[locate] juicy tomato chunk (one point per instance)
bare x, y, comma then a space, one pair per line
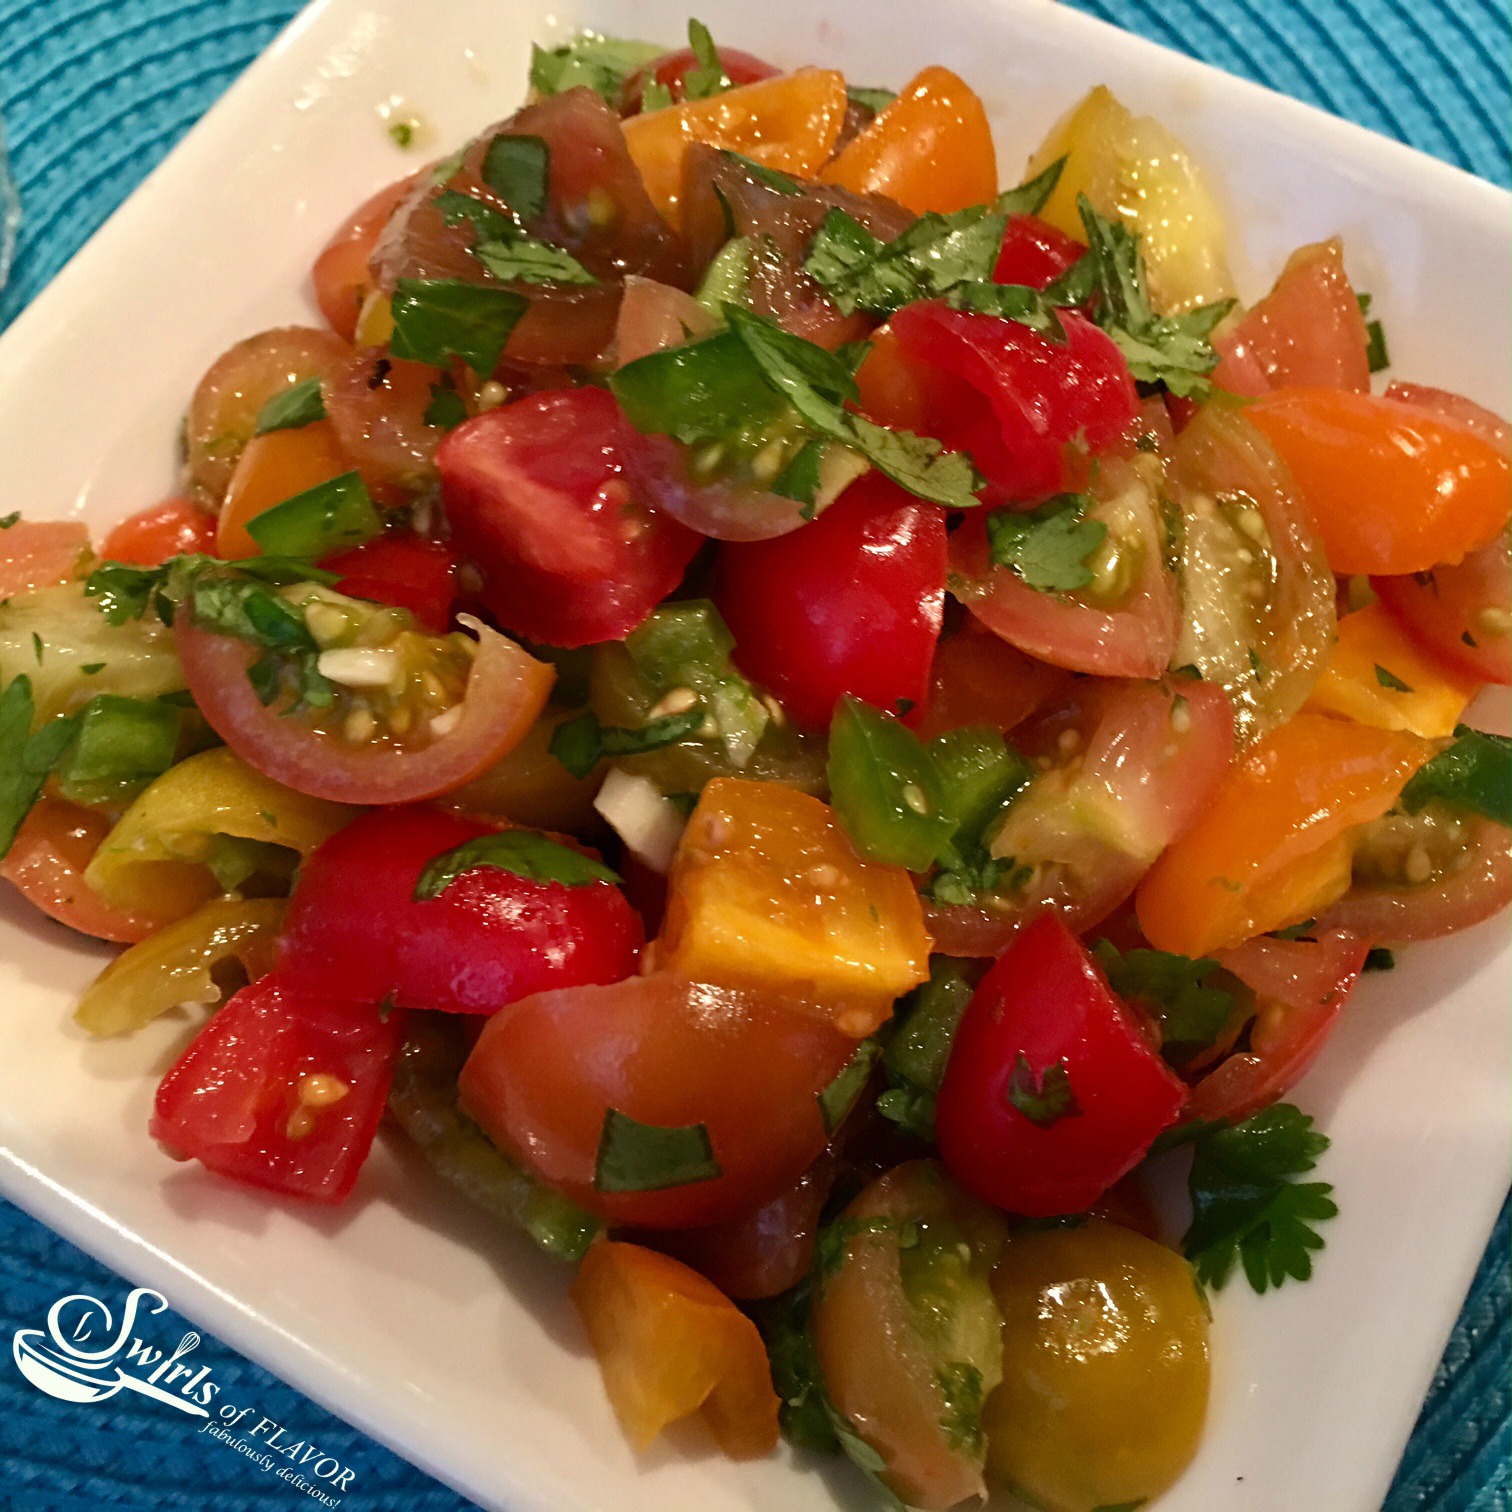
1437, 490
41, 554
282, 1089
1053, 1090
849, 604
670, 1344
377, 405
1035, 253
1105, 1368
671, 71
767, 892
272, 468
1012, 398
489, 938
978, 678
341, 276
929, 149
403, 569
536, 495
152, 535
907, 1334
1273, 845
560, 1081
1308, 332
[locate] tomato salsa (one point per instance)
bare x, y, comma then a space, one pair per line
794, 717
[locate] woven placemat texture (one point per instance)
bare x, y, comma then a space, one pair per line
93, 93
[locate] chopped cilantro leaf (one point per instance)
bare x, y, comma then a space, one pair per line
517, 169
581, 743
1389, 679
707, 77
436, 319
638, 1157
1049, 547
602, 63
1177, 991
522, 852
521, 259
1044, 1098
292, 408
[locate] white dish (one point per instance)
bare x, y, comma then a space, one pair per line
403, 1311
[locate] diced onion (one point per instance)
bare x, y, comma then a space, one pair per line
649, 824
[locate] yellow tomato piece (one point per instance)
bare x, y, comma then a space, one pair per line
176, 965
1377, 675
154, 862
272, 468
1131, 167
767, 892
930, 149
789, 123
669, 1344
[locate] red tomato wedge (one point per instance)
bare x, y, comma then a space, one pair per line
536, 495
282, 1090
506, 691
491, 937
342, 280
1035, 253
1053, 1090
849, 604
673, 1054
40, 554
403, 569
152, 535
46, 863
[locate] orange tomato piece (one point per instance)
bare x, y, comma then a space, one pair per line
789, 123
670, 1344
1273, 847
271, 469
41, 554
894, 390
152, 535
767, 892
930, 149
1393, 488
1376, 674
340, 274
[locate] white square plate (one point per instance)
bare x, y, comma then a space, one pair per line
403, 1311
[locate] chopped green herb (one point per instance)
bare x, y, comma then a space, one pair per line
436, 319
6, 521
1178, 992
1248, 1208
1390, 680
655, 96
961, 1385
26, 758
1378, 958
1376, 355
90, 668
1474, 773
490, 224
874, 100
638, 1157
840, 1096
37, 647
517, 169
773, 178
1299, 931
447, 409
1257, 667
523, 260
975, 875
707, 77
1051, 547
332, 516
602, 63
292, 408
920, 1047
581, 743
402, 132
521, 852
1044, 1098
1010, 302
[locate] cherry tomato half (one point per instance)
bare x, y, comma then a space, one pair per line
342, 280
402, 569
152, 535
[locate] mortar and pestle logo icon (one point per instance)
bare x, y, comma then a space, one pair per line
55, 1363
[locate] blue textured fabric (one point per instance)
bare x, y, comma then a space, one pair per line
93, 93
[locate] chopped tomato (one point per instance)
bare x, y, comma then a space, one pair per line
56, 842
767, 892
930, 148
1307, 332
670, 1345
1486, 424
789, 123
1273, 846
377, 405
671, 71
282, 1089
565, 1081
1376, 674
1053, 1090
491, 937
272, 468
1436, 490
152, 535
342, 280
41, 554
506, 690
849, 604
536, 495
403, 569
1035, 253
1315, 968
1011, 397
978, 678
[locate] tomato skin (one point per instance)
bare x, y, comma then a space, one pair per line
152, 535
849, 604
490, 938
1045, 1000
663, 1051
233, 1099
536, 495
403, 569
41, 554
46, 863
1014, 399
506, 691
1438, 490
340, 274
978, 678
671, 71
1034, 253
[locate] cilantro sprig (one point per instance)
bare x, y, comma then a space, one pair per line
1051, 548
602, 63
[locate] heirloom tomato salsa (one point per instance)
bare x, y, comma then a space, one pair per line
791, 715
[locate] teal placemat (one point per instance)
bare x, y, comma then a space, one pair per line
93, 93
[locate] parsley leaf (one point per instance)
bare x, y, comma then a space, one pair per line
26, 758
292, 408
1044, 1098
1049, 547
581, 743
602, 63
707, 77
436, 319
1247, 1207
522, 852
1177, 991
522, 259
1474, 773
1389, 679
638, 1157
517, 169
